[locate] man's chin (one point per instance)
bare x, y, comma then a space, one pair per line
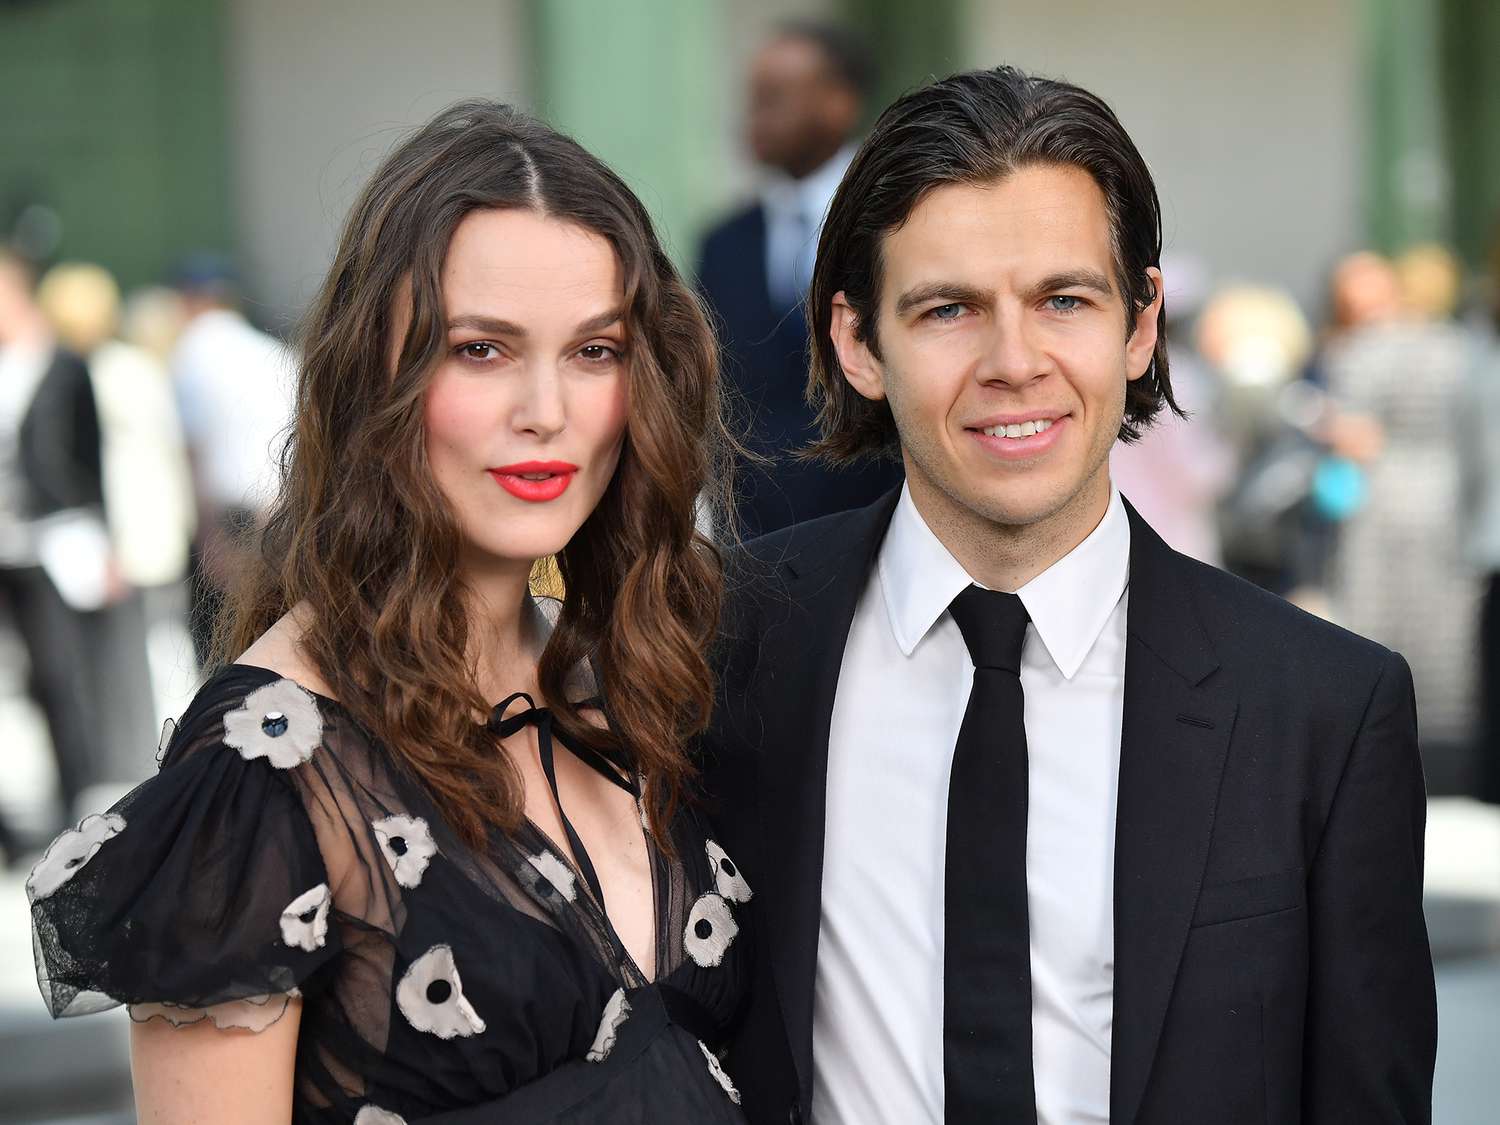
1013, 505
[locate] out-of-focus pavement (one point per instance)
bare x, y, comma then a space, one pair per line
77, 1071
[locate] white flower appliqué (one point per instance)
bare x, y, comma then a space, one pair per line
431, 997
254, 1013
374, 1115
554, 873
716, 1068
710, 930
67, 854
406, 842
727, 877
616, 1012
279, 722
304, 922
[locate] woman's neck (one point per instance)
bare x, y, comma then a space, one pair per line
504, 641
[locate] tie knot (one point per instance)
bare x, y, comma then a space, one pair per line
993, 625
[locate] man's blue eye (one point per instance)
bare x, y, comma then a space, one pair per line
1064, 303
947, 312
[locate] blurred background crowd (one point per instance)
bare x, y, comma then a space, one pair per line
172, 174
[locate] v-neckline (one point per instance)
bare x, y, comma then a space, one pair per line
545, 841
617, 944
505, 723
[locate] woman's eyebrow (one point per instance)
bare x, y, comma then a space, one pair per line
480, 323
603, 320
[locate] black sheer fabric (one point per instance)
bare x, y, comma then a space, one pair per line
279, 852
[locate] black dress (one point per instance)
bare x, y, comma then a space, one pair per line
279, 853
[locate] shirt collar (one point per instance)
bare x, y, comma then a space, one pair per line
1070, 602
811, 195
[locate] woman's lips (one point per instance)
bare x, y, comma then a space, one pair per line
535, 481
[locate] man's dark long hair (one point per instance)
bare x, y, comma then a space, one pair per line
973, 128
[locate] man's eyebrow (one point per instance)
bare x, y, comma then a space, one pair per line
949, 292
1072, 279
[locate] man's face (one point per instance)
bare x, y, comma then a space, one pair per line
1004, 352
798, 114
15, 299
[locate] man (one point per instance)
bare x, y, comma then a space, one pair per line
234, 386
1045, 821
807, 90
55, 559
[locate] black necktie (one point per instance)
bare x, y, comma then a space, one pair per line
986, 956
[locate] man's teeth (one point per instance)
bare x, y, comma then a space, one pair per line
1020, 429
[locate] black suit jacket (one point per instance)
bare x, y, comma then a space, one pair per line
59, 454
1271, 958
764, 350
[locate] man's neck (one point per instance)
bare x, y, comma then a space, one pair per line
813, 165
1003, 556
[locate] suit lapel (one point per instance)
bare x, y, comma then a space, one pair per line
802, 654
1175, 732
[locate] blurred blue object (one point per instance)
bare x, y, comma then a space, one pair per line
1339, 488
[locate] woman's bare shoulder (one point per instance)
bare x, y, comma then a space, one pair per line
280, 650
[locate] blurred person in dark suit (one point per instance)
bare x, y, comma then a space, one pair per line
54, 551
808, 87
148, 505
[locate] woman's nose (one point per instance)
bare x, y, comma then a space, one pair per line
541, 411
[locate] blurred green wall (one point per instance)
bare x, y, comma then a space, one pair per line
914, 42
115, 118
1470, 53
1433, 96
638, 84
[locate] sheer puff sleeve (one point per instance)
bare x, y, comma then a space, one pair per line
202, 894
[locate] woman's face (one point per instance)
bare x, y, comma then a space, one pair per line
525, 415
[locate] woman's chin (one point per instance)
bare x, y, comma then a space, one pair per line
512, 556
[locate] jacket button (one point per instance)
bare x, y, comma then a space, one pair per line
794, 1115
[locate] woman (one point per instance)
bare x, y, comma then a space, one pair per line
356, 891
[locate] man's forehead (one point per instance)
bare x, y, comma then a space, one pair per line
790, 55
1043, 218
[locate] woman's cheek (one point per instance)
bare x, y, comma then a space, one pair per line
612, 412
455, 416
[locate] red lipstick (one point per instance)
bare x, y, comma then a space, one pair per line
535, 481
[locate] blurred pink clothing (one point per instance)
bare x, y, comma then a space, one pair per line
1178, 470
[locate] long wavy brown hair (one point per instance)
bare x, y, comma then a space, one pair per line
362, 536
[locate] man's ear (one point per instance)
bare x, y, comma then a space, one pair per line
861, 368
1142, 343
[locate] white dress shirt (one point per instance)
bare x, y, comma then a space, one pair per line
795, 210
235, 389
903, 687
